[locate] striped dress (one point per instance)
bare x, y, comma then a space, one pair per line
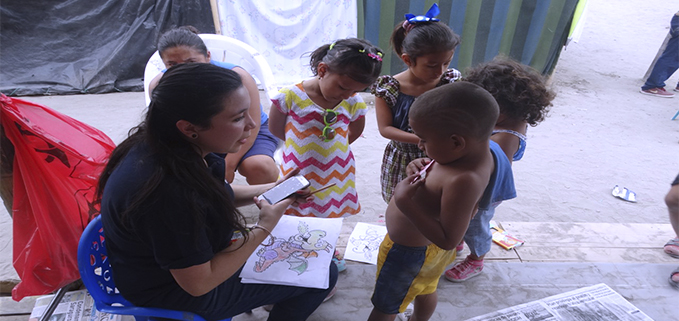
322, 163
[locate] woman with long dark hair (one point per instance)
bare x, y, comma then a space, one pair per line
175, 237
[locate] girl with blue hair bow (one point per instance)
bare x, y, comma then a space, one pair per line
426, 46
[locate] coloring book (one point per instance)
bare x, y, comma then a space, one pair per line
364, 242
297, 253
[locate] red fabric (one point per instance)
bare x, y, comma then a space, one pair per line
57, 163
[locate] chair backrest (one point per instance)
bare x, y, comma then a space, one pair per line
224, 49
95, 271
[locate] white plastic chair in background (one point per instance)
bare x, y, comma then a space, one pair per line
224, 49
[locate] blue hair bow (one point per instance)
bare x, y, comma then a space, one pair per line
429, 16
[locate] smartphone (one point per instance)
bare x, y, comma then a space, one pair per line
284, 189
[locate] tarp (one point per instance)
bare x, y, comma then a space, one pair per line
286, 32
530, 31
84, 46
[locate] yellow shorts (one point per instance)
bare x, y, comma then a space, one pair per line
405, 272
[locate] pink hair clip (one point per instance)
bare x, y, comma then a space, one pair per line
377, 56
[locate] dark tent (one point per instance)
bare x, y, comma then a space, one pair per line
80, 46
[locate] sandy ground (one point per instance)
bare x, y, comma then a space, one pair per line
601, 131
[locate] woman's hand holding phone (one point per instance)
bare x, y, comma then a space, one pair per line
270, 214
302, 195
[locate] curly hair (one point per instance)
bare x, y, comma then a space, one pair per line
520, 91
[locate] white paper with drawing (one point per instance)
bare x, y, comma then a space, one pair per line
298, 253
364, 242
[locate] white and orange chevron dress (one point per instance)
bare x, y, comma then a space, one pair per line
320, 162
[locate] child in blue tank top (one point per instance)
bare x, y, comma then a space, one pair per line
524, 99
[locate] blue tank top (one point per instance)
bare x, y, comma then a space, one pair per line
501, 184
522, 142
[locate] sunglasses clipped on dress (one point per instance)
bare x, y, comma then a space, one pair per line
329, 118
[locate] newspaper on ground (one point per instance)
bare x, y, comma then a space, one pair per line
74, 306
597, 302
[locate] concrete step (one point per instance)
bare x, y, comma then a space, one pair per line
571, 242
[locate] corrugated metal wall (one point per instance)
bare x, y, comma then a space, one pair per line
530, 31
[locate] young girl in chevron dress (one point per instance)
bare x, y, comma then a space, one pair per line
319, 117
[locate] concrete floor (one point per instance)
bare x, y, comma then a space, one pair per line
601, 132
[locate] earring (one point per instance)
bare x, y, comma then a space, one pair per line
194, 136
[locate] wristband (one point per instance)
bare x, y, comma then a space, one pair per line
262, 227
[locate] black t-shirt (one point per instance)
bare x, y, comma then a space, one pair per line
163, 238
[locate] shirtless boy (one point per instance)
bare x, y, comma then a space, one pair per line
429, 213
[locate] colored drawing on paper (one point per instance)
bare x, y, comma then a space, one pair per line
298, 253
296, 250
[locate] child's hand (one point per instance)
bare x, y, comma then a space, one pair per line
404, 191
302, 196
407, 187
416, 165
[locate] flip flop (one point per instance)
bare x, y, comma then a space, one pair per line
672, 282
624, 194
672, 248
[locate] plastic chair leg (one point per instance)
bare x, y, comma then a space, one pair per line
676, 115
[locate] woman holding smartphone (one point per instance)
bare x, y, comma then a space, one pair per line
175, 237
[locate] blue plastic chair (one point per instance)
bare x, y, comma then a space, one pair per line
95, 271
